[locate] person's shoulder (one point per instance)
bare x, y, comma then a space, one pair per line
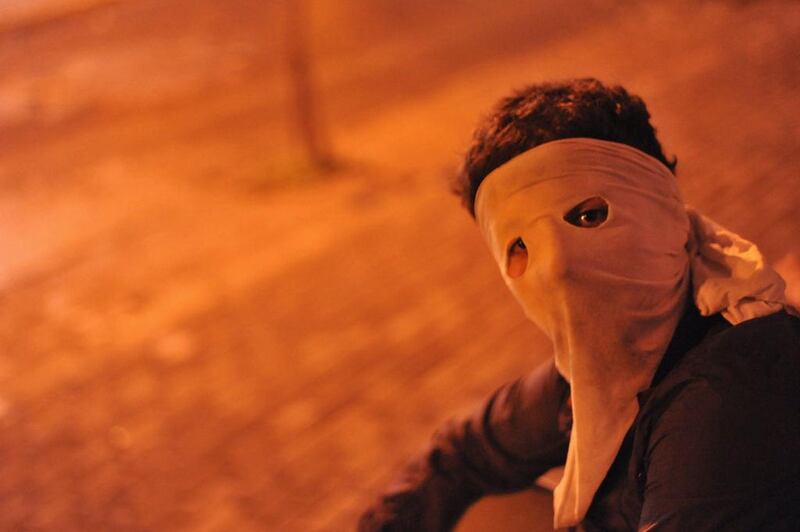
721, 428
757, 353
733, 401
775, 333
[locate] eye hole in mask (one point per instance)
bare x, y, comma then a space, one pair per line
588, 213
517, 258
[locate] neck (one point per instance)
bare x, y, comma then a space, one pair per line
691, 329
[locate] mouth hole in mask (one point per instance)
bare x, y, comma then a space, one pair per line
517, 258
589, 213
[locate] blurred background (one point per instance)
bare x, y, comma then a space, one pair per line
236, 292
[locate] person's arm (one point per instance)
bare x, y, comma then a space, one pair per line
517, 435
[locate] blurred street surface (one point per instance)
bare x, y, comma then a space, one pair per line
202, 333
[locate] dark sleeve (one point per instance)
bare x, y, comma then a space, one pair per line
516, 436
725, 455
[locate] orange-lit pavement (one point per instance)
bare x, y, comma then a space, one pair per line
198, 333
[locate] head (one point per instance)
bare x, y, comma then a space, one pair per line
552, 111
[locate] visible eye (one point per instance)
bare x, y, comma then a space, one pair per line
517, 258
589, 213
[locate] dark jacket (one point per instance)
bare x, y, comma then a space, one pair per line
716, 444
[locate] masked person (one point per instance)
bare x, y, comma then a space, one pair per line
673, 397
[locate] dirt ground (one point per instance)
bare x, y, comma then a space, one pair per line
202, 333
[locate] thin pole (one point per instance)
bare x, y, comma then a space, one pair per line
309, 123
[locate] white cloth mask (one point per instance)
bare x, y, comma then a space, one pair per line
610, 297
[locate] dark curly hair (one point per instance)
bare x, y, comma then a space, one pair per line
551, 111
